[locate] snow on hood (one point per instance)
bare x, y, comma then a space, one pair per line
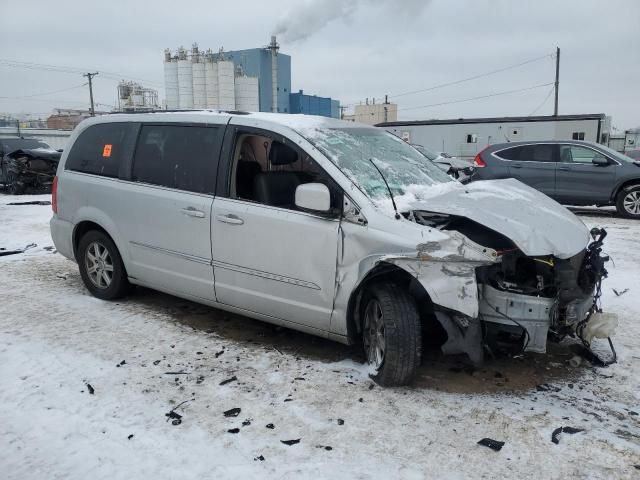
537, 224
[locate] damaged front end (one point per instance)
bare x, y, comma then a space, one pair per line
509, 302
30, 169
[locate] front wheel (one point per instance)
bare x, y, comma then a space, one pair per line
391, 334
101, 266
13, 184
628, 202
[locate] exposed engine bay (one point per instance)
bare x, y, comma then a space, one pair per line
524, 300
29, 170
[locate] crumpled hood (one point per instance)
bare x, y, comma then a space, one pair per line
537, 224
43, 153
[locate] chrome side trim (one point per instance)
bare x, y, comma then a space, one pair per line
267, 275
186, 256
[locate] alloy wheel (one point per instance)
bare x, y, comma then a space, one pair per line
99, 265
373, 334
631, 202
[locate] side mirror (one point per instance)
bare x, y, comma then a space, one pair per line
314, 197
600, 160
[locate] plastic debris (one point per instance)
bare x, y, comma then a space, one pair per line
492, 444
270, 426
555, 436
229, 380
233, 412
290, 442
91, 389
233, 430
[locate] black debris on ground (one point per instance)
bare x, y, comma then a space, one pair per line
299, 378
326, 447
4, 252
492, 444
130, 437
545, 387
91, 389
233, 430
260, 457
156, 362
614, 290
50, 248
371, 386
123, 362
361, 399
176, 418
340, 421
34, 202
555, 436
637, 467
233, 412
229, 380
631, 412
288, 399
270, 426
219, 353
290, 442
199, 353
200, 379
247, 422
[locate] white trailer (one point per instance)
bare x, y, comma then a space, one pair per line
465, 137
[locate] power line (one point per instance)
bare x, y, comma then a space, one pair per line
468, 79
544, 101
46, 93
506, 92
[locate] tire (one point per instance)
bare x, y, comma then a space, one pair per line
105, 277
13, 187
390, 320
628, 202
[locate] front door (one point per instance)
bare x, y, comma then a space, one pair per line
579, 180
268, 256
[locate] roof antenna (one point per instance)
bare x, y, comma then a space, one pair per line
398, 216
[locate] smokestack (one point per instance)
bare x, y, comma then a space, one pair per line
274, 47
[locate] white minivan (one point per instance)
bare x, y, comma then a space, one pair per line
329, 227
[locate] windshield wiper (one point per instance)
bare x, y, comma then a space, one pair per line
398, 216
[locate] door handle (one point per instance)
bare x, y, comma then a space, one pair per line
231, 219
516, 165
192, 212
566, 169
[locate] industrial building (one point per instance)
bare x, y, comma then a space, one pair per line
314, 105
256, 79
133, 97
374, 113
465, 137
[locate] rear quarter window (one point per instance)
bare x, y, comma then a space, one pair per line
101, 149
510, 153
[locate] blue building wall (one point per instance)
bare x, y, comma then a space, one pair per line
256, 62
314, 105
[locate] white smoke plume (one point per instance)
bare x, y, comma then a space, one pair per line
310, 16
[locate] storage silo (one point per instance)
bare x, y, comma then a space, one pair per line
197, 70
226, 85
211, 80
171, 80
247, 98
185, 80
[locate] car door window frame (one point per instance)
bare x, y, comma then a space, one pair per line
586, 147
227, 160
554, 153
213, 183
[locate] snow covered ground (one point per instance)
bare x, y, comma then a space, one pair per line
150, 353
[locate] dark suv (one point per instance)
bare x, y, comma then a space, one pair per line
571, 172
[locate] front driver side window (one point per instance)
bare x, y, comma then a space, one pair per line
268, 171
576, 154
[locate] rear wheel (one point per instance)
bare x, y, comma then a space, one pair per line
101, 266
628, 202
391, 334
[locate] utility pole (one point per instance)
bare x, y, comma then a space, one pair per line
386, 109
342, 109
555, 108
90, 77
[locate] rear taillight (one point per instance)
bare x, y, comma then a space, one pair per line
54, 195
478, 162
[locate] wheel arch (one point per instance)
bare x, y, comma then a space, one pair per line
384, 271
624, 184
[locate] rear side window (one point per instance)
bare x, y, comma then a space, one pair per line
181, 157
510, 153
101, 149
528, 153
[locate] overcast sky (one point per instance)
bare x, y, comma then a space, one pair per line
348, 50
